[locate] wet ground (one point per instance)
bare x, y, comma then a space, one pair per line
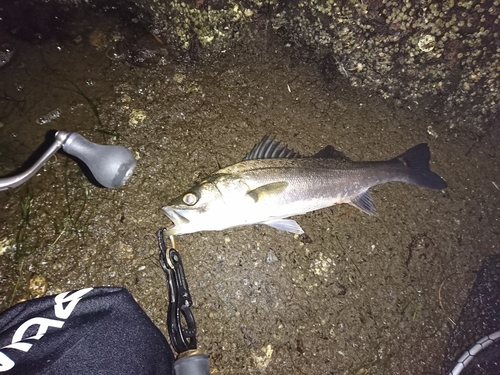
363, 295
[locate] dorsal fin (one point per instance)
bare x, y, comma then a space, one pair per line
268, 148
329, 152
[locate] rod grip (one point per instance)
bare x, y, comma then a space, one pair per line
193, 364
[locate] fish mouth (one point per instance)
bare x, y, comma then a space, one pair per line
176, 218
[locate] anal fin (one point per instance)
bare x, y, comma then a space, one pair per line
364, 203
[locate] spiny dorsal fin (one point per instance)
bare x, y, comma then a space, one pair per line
329, 152
268, 148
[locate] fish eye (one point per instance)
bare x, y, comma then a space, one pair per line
190, 199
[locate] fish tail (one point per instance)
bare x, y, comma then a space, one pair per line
415, 161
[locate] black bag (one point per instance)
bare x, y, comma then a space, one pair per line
88, 331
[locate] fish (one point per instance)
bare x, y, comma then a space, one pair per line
273, 183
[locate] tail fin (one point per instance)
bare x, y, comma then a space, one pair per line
416, 161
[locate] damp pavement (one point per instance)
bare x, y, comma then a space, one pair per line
357, 295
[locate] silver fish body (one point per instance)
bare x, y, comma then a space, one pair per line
274, 183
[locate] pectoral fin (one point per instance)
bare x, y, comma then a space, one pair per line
364, 203
270, 190
287, 225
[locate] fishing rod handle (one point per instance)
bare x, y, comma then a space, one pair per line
110, 165
194, 363
21, 178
